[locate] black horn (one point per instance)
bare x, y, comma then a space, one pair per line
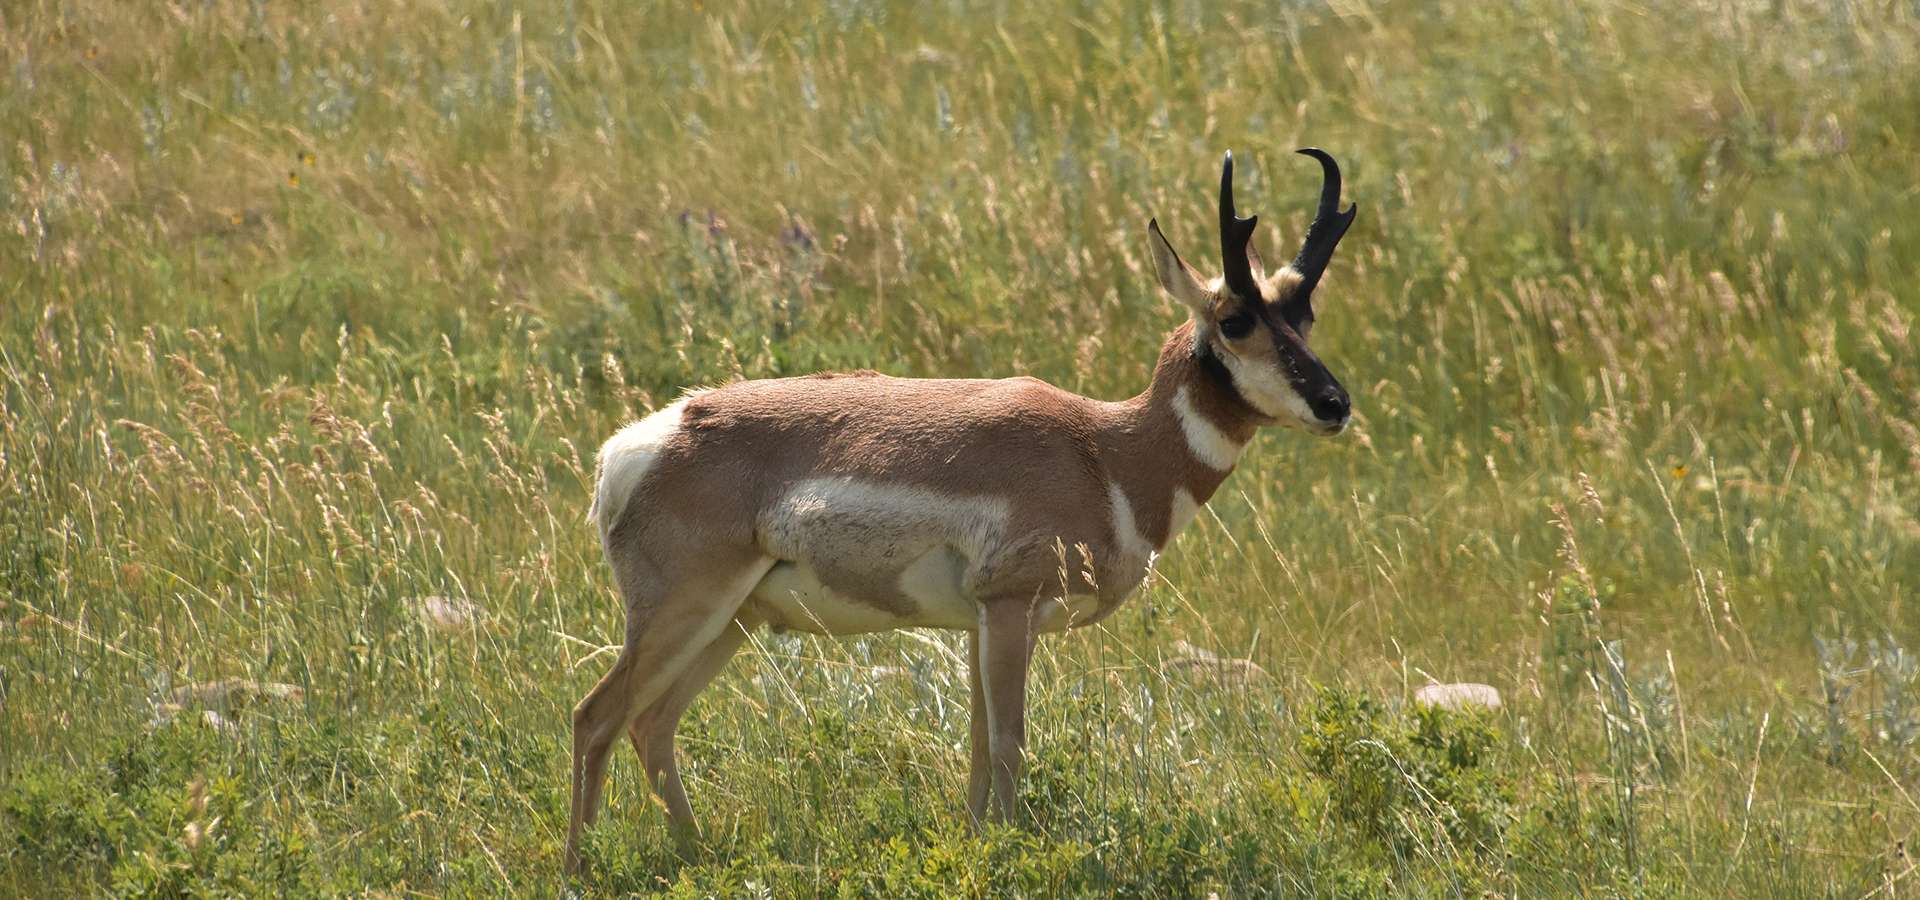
1329, 225
1234, 234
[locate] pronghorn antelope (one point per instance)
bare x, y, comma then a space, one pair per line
851, 503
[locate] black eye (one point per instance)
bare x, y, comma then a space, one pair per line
1236, 326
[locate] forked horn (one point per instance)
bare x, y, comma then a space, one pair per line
1234, 234
1329, 225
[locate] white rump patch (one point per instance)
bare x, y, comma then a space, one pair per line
625, 458
1210, 445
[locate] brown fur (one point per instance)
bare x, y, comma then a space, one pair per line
1052, 452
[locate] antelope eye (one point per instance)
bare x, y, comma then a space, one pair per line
1236, 326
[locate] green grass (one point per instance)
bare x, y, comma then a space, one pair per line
311, 315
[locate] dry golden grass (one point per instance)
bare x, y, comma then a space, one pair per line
314, 316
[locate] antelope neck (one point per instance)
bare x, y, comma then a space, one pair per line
1170, 447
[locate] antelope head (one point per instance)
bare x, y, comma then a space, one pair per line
1252, 325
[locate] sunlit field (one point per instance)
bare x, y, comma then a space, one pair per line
312, 316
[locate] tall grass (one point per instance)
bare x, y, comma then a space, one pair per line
314, 316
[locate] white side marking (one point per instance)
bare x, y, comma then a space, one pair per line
917, 542
854, 520
1184, 509
625, 458
1126, 529
1211, 445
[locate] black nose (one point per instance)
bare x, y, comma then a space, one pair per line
1331, 405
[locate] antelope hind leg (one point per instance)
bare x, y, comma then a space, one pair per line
653, 732
663, 639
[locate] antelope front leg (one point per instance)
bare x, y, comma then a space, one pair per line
1004, 648
980, 776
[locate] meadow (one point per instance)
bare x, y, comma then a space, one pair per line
312, 315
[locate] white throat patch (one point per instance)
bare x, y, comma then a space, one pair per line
1126, 528
1209, 444
1184, 509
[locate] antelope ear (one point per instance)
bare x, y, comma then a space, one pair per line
1176, 276
1253, 260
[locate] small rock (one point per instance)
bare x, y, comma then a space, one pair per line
163, 713
1200, 664
448, 614
234, 693
221, 699
930, 55
219, 723
1465, 695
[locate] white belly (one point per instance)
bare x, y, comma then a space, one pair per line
1061, 613
857, 556
792, 596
